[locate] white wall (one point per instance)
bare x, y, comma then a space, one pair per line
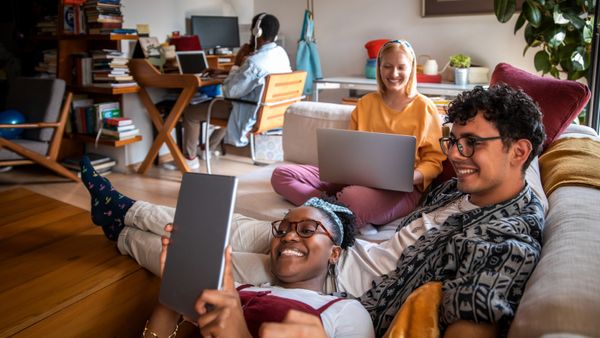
344, 26
166, 16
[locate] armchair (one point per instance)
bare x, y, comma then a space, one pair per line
40, 100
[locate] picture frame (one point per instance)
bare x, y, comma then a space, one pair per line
458, 7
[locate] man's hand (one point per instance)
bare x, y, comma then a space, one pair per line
226, 319
295, 324
242, 54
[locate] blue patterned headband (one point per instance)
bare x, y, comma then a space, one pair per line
330, 209
404, 43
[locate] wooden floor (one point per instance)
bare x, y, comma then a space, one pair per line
158, 186
59, 276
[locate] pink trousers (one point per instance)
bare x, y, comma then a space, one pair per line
298, 183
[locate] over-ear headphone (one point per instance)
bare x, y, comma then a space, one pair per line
256, 30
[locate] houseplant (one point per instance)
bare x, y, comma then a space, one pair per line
461, 64
561, 29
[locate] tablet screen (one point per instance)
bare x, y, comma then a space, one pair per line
200, 234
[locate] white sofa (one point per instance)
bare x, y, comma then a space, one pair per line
562, 297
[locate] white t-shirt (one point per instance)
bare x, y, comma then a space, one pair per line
346, 318
365, 261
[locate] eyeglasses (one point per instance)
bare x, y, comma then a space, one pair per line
304, 228
465, 144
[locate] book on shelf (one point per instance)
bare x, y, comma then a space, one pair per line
119, 129
98, 167
115, 84
118, 121
89, 118
124, 31
98, 161
73, 19
120, 135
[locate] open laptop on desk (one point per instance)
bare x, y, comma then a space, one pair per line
192, 62
376, 160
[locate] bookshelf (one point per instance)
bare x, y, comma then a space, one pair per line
109, 142
69, 44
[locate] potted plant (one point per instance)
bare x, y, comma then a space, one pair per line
461, 64
561, 31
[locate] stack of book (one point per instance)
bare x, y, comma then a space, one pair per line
103, 16
47, 67
102, 164
120, 128
48, 25
88, 117
110, 69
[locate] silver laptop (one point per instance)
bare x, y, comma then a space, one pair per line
376, 160
200, 234
192, 62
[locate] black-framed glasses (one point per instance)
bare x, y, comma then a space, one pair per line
304, 228
465, 144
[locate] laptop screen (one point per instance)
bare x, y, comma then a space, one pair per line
193, 62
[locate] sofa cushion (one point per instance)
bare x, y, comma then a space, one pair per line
560, 100
563, 293
301, 122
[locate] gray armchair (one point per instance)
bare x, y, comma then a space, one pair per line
40, 101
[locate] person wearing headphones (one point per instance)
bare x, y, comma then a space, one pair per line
253, 62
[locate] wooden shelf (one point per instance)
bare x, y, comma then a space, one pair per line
106, 141
96, 37
104, 90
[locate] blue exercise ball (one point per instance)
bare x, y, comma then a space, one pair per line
11, 116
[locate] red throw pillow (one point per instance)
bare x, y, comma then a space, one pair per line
560, 100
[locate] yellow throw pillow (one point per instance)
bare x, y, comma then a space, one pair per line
419, 315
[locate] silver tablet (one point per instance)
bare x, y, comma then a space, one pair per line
200, 234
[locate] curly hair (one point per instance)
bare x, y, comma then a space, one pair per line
348, 222
512, 112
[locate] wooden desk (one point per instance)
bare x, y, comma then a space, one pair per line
147, 76
220, 61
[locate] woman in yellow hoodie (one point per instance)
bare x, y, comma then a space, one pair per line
396, 108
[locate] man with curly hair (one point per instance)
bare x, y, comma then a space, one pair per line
483, 228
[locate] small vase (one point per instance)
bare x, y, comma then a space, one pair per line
461, 76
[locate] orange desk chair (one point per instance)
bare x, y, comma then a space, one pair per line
280, 91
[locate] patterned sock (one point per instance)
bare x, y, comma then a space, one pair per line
108, 205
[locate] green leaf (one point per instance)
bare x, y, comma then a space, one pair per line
578, 59
588, 33
541, 61
554, 72
529, 35
533, 14
575, 20
555, 37
520, 22
559, 18
504, 9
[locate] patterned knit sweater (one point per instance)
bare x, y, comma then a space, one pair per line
483, 257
